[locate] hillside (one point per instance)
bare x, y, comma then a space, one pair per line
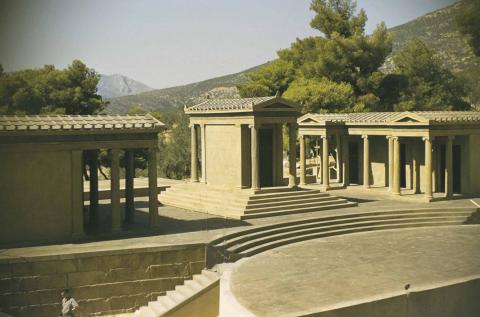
438, 29
174, 97
117, 85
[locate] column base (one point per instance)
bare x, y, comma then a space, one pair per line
366, 186
194, 180
325, 188
396, 193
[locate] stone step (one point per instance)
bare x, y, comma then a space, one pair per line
182, 294
233, 199
466, 210
299, 210
238, 248
209, 209
287, 199
229, 242
278, 243
284, 194
299, 204
280, 189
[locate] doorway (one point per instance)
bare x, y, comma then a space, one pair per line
353, 162
266, 157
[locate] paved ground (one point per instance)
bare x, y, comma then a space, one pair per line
178, 226
311, 276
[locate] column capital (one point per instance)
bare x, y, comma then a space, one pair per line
254, 125
428, 138
324, 137
364, 136
451, 137
115, 151
191, 125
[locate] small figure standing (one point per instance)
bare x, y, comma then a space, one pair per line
69, 304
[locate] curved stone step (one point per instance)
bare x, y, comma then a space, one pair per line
300, 204
227, 243
239, 248
278, 243
292, 201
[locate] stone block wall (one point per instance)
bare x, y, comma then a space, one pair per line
104, 282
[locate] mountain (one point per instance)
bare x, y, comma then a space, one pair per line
117, 85
174, 97
437, 29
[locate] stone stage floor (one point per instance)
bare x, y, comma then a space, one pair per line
319, 275
178, 226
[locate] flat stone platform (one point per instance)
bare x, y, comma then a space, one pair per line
329, 273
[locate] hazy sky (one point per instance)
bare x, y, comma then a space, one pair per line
164, 43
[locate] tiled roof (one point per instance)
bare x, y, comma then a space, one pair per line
234, 104
387, 117
78, 122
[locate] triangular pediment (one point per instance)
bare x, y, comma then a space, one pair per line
408, 117
277, 104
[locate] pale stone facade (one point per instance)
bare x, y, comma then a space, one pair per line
409, 152
240, 141
41, 159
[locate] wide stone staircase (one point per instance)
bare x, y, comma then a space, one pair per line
246, 204
196, 297
249, 242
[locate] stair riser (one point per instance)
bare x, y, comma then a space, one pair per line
204, 208
241, 239
203, 199
293, 234
293, 211
289, 202
330, 234
299, 205
287, 194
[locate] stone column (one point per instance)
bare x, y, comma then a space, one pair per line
416, 168
428, 168
396, 166
366, 162
292, 157
449, 168
339, 158
115, 191
346, 161
255, 161
204, 153
93, 164
77, 196
193, 154
390, 163
152, 187
303, 162
129, 187
325, 164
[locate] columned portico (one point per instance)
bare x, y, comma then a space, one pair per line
428, 167
396, 166
255, 158
303, 162
193, 154
292, 154
325, 164
366, 162
390, 162
115, 191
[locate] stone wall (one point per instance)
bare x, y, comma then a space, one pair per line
102, 282
35, 197
457, 299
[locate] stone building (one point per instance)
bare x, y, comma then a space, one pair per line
41, 163
435, 152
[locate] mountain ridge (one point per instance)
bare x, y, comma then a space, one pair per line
437, 29
118, 85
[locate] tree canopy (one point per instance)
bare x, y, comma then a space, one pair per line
341, 69
468, 20
49, 90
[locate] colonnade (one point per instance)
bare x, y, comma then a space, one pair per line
394, 164
115, 193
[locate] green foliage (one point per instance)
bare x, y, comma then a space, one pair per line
321, 95
337, 16
51, 91
268, 80
430, 86
468, 20
174, 145
344, 70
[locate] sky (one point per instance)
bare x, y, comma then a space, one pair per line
165, 43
